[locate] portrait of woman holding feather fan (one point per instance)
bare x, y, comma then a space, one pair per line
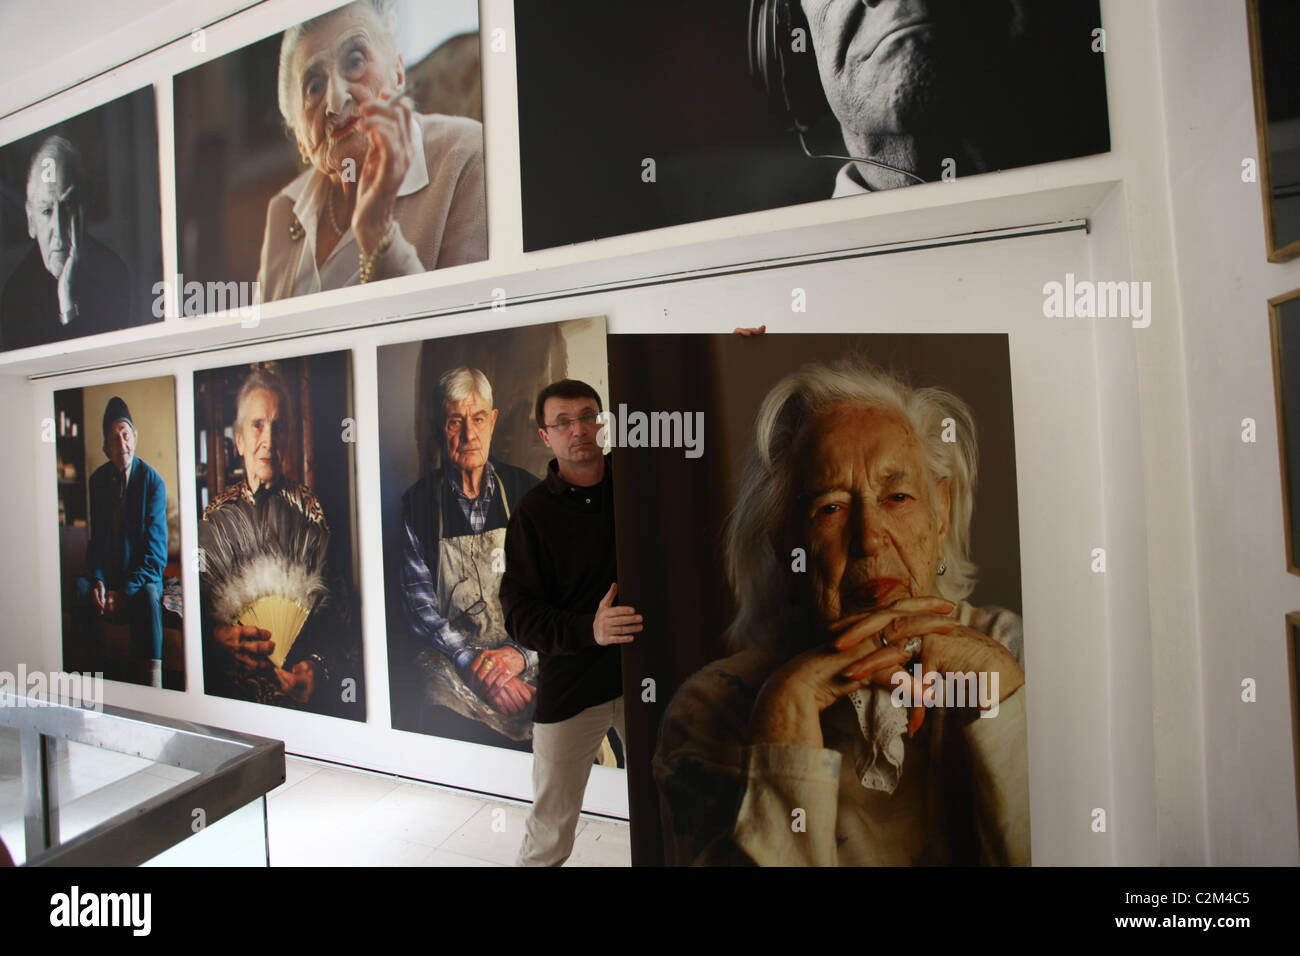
277, 625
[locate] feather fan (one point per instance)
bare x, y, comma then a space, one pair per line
265, 566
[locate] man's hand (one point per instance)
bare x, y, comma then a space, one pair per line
789, 705
492, 668
748, 332
511, 697
614, 625
247, 646
299, 683
112, 603
100, 595
386, 121
67, 278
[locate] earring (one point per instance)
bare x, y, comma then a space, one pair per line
943, 568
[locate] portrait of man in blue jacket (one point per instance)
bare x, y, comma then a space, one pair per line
127, 550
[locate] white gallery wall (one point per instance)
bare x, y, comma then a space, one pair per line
1127, 439
1242, 591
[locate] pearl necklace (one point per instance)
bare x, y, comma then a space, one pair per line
329, 207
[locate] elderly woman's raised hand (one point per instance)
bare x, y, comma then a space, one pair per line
953, 650
386, 120
789, 705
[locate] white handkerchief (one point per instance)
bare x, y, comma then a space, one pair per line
880, 764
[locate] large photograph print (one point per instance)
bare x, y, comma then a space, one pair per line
1274, 33
636, 116
831, 670
460, 446
278, 560
1284, 320
81, 226
347, 149
119, 532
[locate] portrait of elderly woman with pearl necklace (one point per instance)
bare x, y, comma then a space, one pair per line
812, 744
387, 191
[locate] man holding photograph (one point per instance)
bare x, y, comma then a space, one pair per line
558, 595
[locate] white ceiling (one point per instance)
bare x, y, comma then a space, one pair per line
52, 44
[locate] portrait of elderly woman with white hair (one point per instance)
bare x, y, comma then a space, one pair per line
387, 191
824, 739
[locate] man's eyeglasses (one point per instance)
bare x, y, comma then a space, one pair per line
566, 424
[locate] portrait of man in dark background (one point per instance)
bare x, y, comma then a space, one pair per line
827, 505
745, 105
81, 226
460, 450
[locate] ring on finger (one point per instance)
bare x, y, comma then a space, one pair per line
912, 647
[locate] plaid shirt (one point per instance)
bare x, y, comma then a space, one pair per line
419, 582
475, 509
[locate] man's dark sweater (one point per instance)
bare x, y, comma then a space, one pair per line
560, 562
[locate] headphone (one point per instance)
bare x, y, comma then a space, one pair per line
789, 77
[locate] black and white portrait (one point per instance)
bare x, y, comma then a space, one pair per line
708, 110
81, 226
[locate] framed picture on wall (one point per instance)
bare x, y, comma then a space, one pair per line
759, 104
279, 566
81, 226
1293, 678
119, 531
777, 492
459, 440
1275, 70
280, 184
1284, 319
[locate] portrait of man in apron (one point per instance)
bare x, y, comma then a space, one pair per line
455, 521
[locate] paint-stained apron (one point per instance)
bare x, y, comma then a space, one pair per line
469, 579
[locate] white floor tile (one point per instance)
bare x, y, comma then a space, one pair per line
492, 834
344, 849
602, 844
418, 814
444, 858
335, 794
296, 770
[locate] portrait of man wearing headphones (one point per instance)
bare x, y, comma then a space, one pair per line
922, 90
706, 110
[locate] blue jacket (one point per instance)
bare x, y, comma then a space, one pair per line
144, 529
